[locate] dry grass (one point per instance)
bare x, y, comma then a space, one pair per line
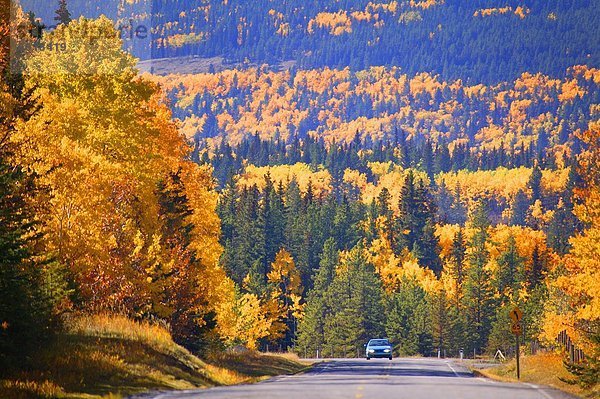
109, 357
541, 369
117, 326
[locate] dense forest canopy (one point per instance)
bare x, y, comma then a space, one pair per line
477, 41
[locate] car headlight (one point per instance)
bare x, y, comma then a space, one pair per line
386, 350
370, 350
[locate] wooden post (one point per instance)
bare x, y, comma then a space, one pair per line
518, 363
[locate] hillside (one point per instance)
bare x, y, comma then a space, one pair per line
453, 38
380, 103
109, 356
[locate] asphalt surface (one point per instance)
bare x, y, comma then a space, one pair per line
376, 378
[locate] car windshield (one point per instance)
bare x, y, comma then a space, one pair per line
378, 342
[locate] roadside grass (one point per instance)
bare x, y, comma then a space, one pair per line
258, 365
541, 369
111, 357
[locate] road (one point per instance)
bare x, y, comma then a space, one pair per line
378, 379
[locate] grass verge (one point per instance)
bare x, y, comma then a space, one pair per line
541, 369
111, 357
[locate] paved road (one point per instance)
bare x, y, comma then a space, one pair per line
378, 379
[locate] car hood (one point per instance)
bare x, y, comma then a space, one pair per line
379, 347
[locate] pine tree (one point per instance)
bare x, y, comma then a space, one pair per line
311, 334
416, 224
384, 209
519, 209
25, 311
535, 274
478, 300
31, 285
272, 209
440, 322
457, 259
562, 227
535, 184
63, 16
458, 211
408, 319
509, 274
175, 290
355, 299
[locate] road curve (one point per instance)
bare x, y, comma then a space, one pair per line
378, 379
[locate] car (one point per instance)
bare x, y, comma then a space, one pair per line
378, 347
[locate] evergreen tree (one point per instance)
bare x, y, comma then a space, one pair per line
535, 184
311, 334
25, 306
416, 224
457, 259
500, 335
457, 213
408, 320
355, 299
384, 209
31, 285
478, 299
63, 16
509, 274
562, 227
273, 212
535, 274
175, 281
519, 209
440, 322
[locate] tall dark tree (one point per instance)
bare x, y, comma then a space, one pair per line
535, 184
519, 209
63, 16
509, 274
457, 260
415, 224
478, 290
355, 298
311, 334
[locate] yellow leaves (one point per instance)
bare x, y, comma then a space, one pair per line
570, 90
242, 320
394, 269
575, 292
302, 173
425, 4
337, 23
502, 182
275, 101
519, 11
424, 82
284, 273
101, 142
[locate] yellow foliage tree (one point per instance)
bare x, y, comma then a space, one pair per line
243, 321
282, 306
574, 303
101, 143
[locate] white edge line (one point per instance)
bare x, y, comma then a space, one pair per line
451, 368
539, 389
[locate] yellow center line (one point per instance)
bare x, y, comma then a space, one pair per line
359, 395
